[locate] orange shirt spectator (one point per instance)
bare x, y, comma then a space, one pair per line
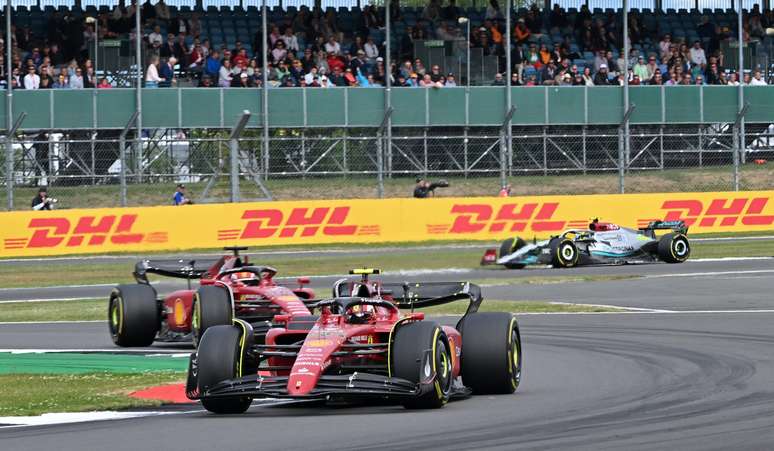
521, 32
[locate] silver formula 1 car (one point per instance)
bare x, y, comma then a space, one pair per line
602, 243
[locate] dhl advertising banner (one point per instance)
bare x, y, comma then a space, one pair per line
37, 233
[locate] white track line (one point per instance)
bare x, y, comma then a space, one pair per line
48, 419
709, 273
53, 322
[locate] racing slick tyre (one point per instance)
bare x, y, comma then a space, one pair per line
674, 248
133, 315
564, 253
421, 353
211, 307
491, 353
509, 246
219, 358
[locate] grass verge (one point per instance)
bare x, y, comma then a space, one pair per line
35, 394
14, 276
80, 310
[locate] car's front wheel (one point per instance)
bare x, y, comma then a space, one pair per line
219, 358
421, 354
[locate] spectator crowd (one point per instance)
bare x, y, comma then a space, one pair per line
313, 48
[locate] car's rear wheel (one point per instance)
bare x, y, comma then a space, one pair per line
211, 307
492, 358
133, 315
420, 354
674, 248
508, 247
564, 253
219, 358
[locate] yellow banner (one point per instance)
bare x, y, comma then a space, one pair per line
37, 233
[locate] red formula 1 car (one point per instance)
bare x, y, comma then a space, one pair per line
229, 288
360, 348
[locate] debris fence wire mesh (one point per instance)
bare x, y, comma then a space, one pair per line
82, 168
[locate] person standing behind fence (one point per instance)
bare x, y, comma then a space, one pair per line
179, 197
505, 191
42, 201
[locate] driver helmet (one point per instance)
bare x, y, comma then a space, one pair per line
360, 314
245, 277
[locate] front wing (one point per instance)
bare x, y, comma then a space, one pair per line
353, 386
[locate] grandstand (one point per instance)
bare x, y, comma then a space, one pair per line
430, 35
470, 126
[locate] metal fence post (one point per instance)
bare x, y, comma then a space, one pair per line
505, 136
233, 140
380, 152
623, 148
9, 155
122, 157
9, 106
738, 142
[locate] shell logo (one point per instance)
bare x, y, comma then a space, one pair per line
180, 315
317, 343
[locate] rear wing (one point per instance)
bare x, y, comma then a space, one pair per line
428, 294
676, 226
181, 269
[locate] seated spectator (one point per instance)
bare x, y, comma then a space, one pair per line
641, 69
521, 33
61, 82
279, 52
757, 79
31, 80
290, 40
664, 45
104, 84
493, 11
76, 81
601, 78
549, 72
244, 81
451, 82
498, 80
155, 39
588, 79
371, 49
698, 58
332, 47
212, 65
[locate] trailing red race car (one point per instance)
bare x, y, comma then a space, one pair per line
362, 347
229, 287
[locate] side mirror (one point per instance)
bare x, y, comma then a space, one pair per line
303, 281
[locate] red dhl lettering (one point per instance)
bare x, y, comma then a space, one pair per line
300, 222
85, 231
474, 218
719, 212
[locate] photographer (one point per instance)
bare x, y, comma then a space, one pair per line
42, 201
423, 188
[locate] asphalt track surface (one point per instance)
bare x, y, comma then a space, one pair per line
700, 376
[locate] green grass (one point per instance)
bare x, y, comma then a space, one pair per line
715, 178
80, 310
13, 276
35, 394
97, 273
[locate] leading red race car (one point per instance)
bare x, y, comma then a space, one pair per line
362, 347
229, 287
